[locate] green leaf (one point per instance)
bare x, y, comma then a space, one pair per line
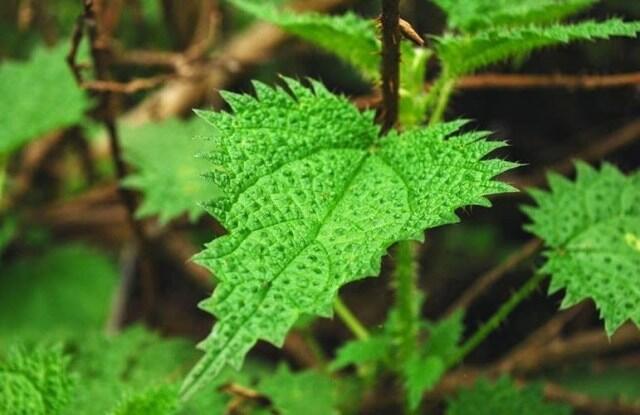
168, 172
36, 101
356, 352
424, 369
350, 37
313, 199
591, 228
463, 54
421, 374
502, 398
475, 15
159, 400
63, 291
117, 372
309, 392
35, 382
356, 41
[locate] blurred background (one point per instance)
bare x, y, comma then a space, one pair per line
62, 214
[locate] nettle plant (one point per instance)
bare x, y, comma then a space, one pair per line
313, 192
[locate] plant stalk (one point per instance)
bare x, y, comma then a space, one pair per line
494, 322
407, 298
390, 68
445, 89
350, 320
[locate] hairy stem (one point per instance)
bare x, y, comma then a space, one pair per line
481, 334
390, 62
407, 298
350, 320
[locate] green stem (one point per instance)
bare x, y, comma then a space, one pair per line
481, 334
407, 295
350, 320
445, 89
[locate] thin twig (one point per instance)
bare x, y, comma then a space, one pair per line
524, 81
587, 403
498, 317
545, 334
600, 148
130, 87
486, 280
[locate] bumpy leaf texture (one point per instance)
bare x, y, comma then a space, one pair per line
348, 36
474, 15
37, 96
35, 382
503, 398
313, 199
463, 54
167, 168
591, 228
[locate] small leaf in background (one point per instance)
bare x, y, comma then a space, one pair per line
313, 198
309, 392
65, 290
159, 400
356, 352
424, 368
349, 36
35, 382
38, 96
475, 15
503, 398
125, 367
462, 54
588, 227
168, 171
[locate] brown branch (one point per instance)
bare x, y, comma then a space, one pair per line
588, 404
579, 345
524, 81
486, 280
390, 64
254, 46
130, 87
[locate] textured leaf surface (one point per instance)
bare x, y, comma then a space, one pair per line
160, 400
65, 290
466, 53
35, 101
424, 369
35, 382
473, 15
591, 228
118, 372
306, 392
313, 199
503, 398
348, 36
168, 172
